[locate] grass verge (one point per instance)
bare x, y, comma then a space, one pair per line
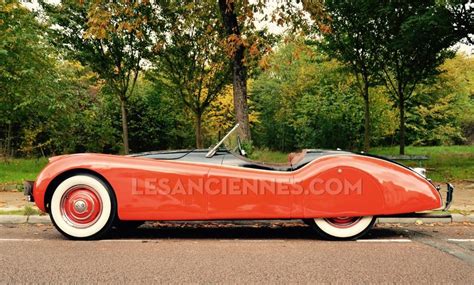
446, 163
15, 171
25, 211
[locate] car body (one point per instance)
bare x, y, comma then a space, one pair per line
333, 188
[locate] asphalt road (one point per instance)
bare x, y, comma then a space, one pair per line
229, 253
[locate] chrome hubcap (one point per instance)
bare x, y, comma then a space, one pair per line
80, 206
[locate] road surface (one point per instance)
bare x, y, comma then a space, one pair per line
229, 253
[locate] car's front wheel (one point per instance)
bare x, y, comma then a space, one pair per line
83, 207
343, 228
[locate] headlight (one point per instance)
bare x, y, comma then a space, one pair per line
420, 170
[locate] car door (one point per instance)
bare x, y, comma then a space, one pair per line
156, 189
236, 192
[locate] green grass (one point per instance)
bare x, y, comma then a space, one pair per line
426, 150
14, 171
25, 211
446, 163
266, 155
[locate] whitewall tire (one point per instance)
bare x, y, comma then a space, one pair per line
83, 207
343, 228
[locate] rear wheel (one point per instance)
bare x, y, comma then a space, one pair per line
343, 228
83, 207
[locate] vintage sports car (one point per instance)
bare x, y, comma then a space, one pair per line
338, 193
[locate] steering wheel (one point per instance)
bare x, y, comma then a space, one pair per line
241, 150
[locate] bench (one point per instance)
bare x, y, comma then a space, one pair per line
418, 158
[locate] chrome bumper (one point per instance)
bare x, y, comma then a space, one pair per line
449, 195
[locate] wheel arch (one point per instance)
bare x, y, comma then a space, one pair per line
394, 189
65, 175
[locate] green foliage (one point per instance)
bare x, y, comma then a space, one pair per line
306, 100
112, 38
462, 12
73, 118
59, 86
47, 105
384, 117
400, 43
442, 108
413, 42
192, 62
27, 73
157, 120
79, 113
352, 39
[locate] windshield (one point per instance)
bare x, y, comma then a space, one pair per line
230, 141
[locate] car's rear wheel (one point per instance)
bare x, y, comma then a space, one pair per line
343, 228
83, 207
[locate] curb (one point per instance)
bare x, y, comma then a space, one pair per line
455, 218
17, 219
414, 220
458, 218
38, 220
13, 219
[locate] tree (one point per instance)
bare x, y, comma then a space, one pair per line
238, 19
307, 100
157, 119
239, 70
27, 72
78, 107
414, 38
463, 18
113, 38
192, 61
351, 38
441, 112
221, 115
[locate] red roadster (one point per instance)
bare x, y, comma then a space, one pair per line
339, 193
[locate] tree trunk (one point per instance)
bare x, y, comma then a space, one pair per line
240, 97
401, 102
239, 71
123, 107
198, 131
366, 118
8, 147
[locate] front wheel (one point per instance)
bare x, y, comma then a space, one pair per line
83, 206
343, 228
